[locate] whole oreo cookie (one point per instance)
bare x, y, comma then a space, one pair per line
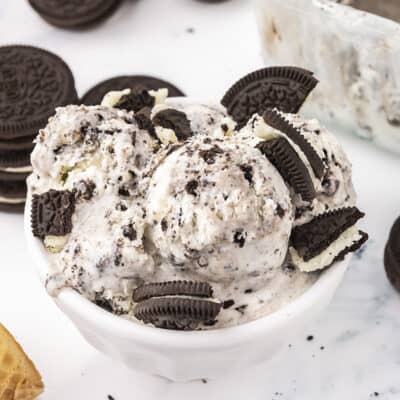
136, 82
178, 305
33, 82
284, 88
286, 160
73, 13
392, 255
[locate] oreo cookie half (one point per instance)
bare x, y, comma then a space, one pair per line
135, 82
12, 194
71, 14
327, 238
51, 213
285, 88
33, 82
178, 305
392, 255
286, 160
277, 121
174, 120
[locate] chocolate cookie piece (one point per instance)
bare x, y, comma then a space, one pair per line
12, 194
312, 238
392, 255
51, 213
73, 13
135, 82
179, 305
33, 82
175, 120
286, 160
277, 121
284, 88
136, 101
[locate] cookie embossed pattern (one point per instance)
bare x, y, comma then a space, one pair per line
202, 222
359, 90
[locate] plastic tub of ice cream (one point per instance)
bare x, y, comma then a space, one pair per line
353, 46
185, 356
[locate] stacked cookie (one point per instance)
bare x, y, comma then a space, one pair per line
33, 82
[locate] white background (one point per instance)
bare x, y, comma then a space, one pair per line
360, 330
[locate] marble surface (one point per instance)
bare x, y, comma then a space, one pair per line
355, 351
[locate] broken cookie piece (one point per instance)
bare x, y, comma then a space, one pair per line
326, 239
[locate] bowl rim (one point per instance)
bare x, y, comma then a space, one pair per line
214, 338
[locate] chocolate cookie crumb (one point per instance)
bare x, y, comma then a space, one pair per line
240, 238
248, 172
209, 155
227, 304
129, 232
191, 187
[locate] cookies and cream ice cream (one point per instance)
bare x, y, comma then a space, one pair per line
354, 52
176, 192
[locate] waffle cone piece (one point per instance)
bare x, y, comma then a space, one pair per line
19, 379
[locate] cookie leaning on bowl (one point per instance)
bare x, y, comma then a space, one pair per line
34, 84
178, 305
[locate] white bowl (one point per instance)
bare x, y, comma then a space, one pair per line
185, 356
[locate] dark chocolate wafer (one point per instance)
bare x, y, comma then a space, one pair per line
51, 213
12, 194
13, 176
312, 238
14, 159
285, 88
178, 288
136, 82
277, 121
392, 255
18, 144
33, 82
179, 305
175, 120
73, 13
392, 267
286, 160
177, 313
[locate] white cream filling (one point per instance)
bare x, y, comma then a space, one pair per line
55, 244
159, 95
264, 131
346, 239
112, 98
166, 135
27, 168
4, 200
